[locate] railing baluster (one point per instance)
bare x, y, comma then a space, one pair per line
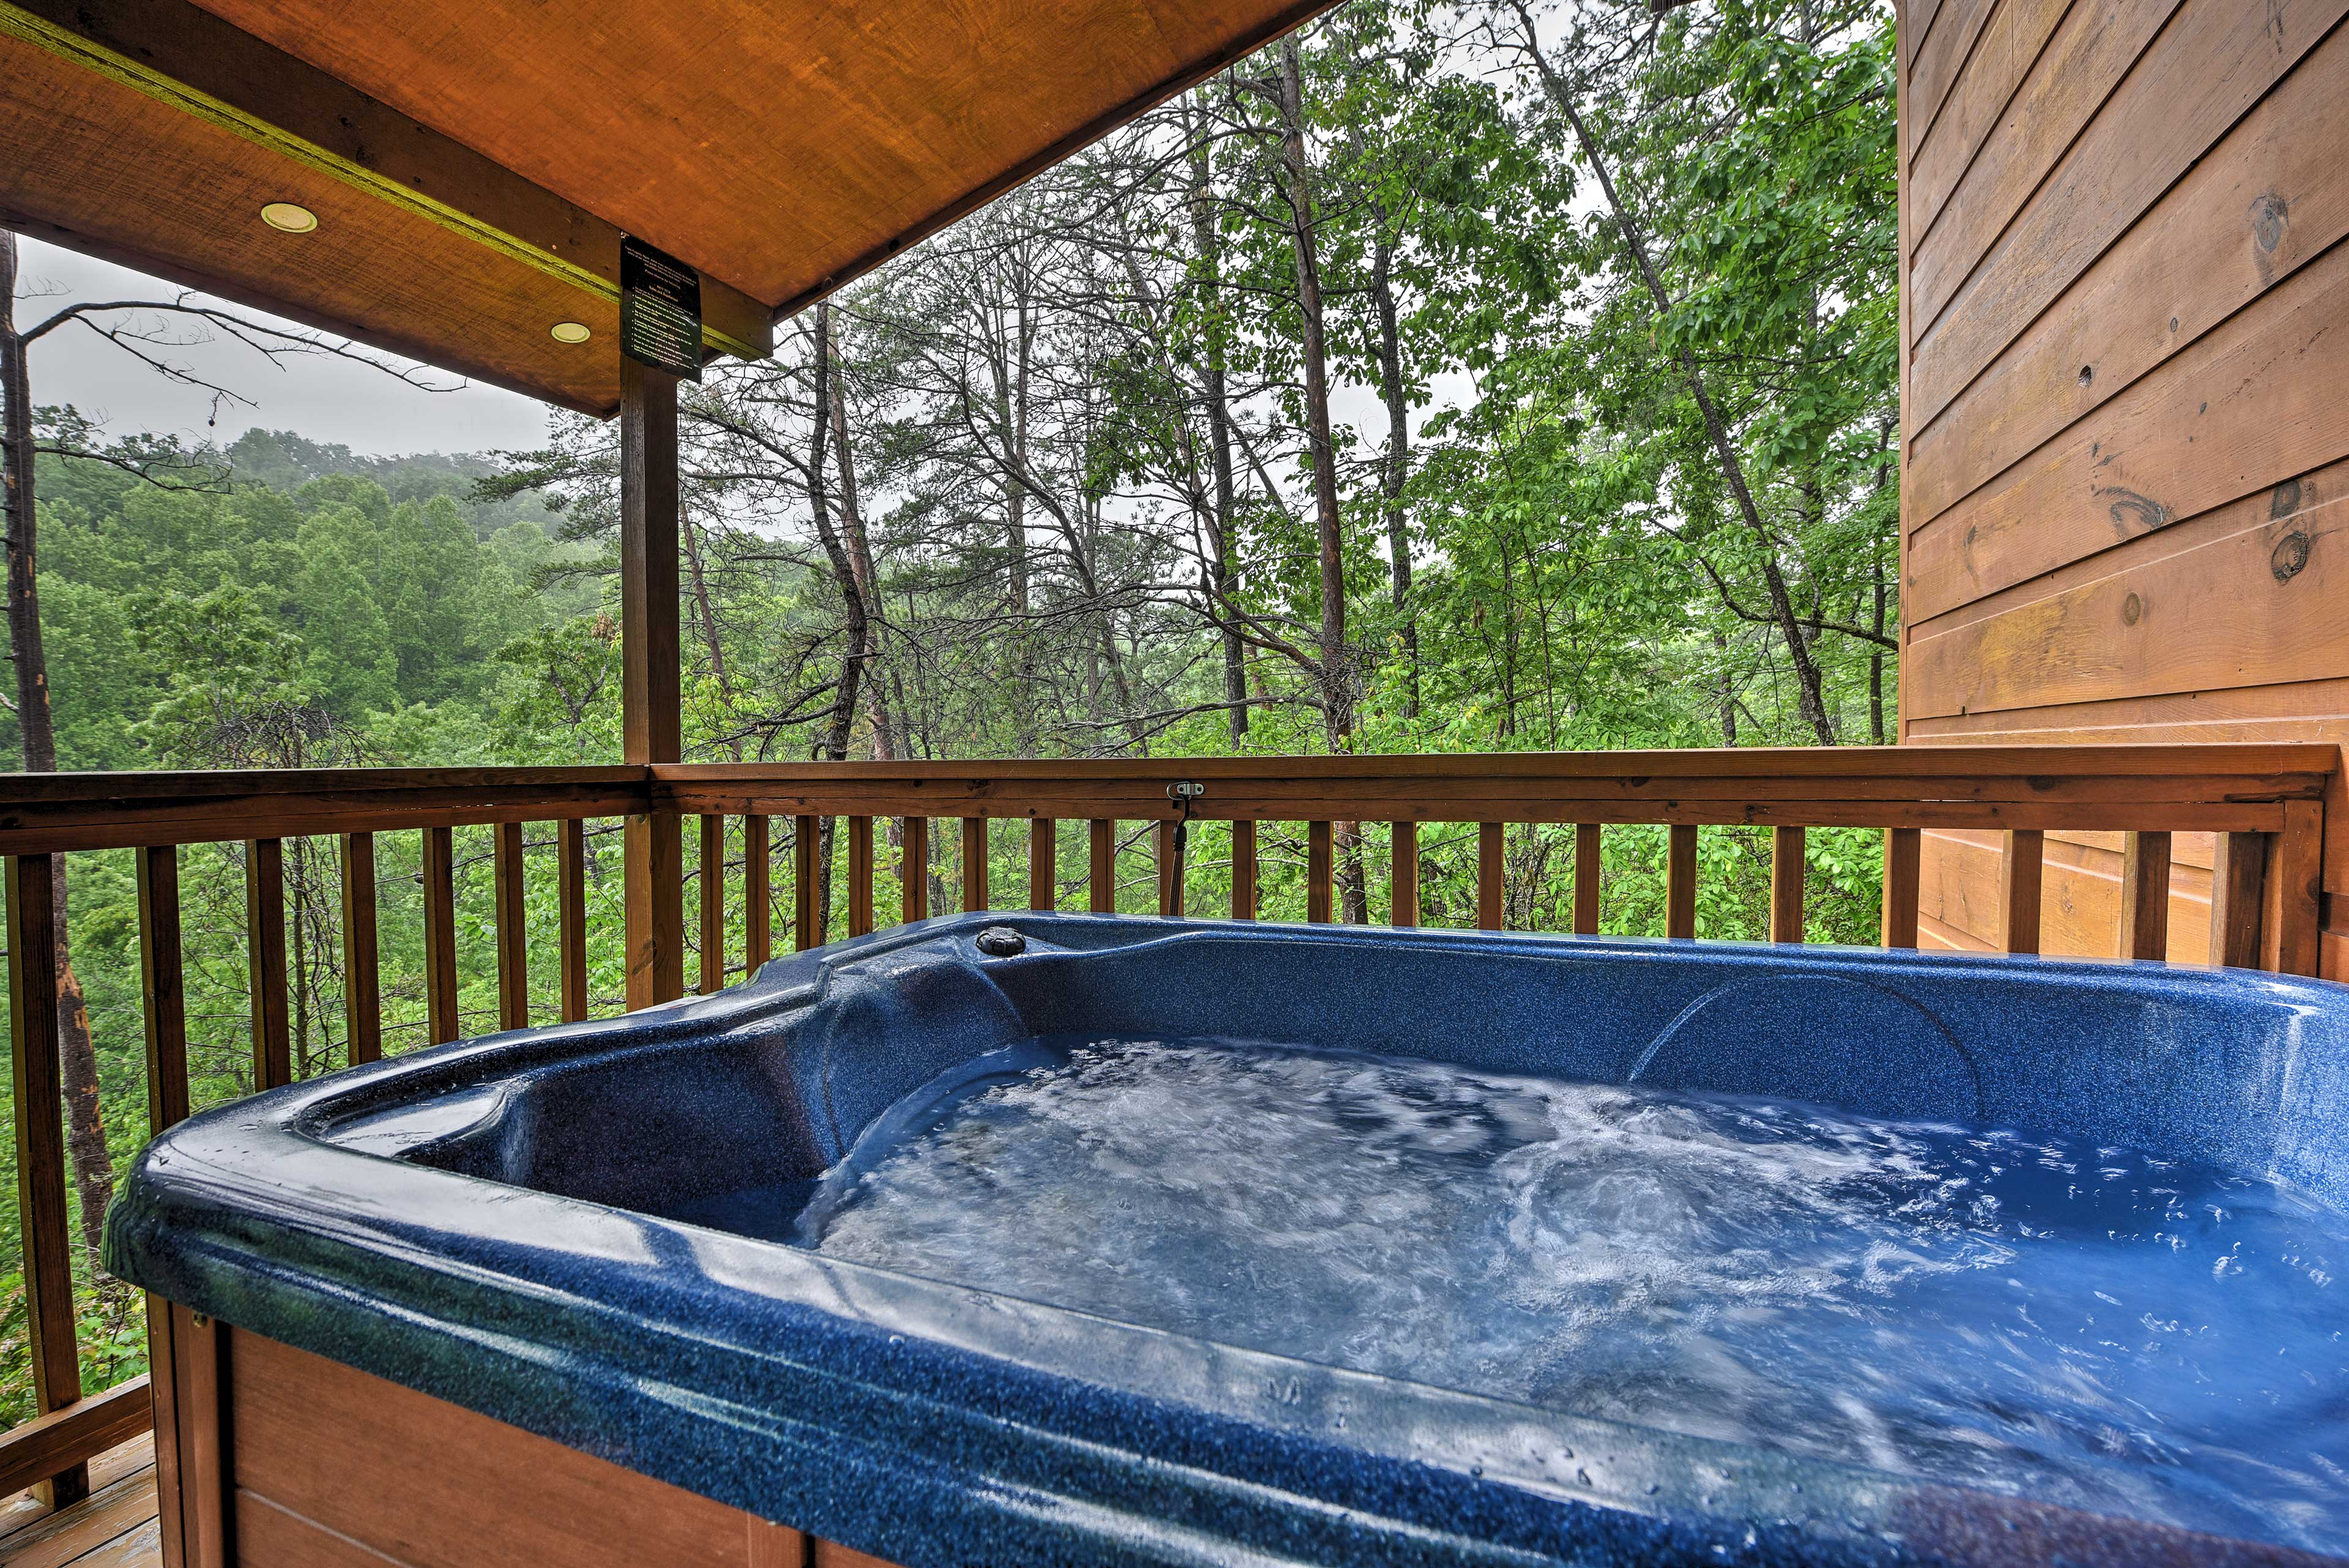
2290, 934
1586, 879
1101, 877
512, 929
974, 864
860, 876
1244, 868
1043, 863
713, 903
362, 952
264, 937
2021, 880
162, 984
1170, 880
1679, 882
803, 842
31, 891
571, 919
1403, 882
2145, 895
1904, 850
758, 896
2236, 885
914, 866
440, 866
1787, 867
1317, 868
1491, 877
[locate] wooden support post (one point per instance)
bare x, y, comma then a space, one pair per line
1170, 879
653, 857
440, 861
1904, 851
713, 903
1244, 868
2023, 873
571, 896
758, 895
2145, 895
1404, 874
1586, 879
2237, 881
2290, 936
1491, 877
362, 952
265, 952
803, 846
974, 864
162, 984
1317, 867
914, 862
1043, 863
511, 925
162, 1383
1100, 870
1680, 881
199, 1355
41, 1148
860, 876
1787, 867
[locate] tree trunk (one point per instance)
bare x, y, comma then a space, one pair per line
1810, 700
859, 561
1396, 471
1209, 242
93, 1166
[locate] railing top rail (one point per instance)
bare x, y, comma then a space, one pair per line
2235, 787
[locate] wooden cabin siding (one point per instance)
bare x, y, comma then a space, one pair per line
2124, 323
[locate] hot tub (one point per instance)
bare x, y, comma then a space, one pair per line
877, 1247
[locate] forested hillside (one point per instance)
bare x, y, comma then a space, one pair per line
1459, 378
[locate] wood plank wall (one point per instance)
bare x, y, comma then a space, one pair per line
2125, 314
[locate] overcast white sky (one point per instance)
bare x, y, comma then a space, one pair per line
323, 399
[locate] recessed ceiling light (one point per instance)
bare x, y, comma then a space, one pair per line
288, 218
570, 332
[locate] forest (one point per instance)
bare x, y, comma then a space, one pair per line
1474, 377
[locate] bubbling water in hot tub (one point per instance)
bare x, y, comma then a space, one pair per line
2086, 1326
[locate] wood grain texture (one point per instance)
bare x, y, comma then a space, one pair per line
758, 895
2236, 888
1403, 872
2145, 896
804, 839
510, 923
72, 1436
1170, 867
1043, 863
1902, 849
1317, 873
2023, 862
860, 876
362, 950
2266, 201
2009, 45
2245, 411
975, 895
438, 869
162, 984
80, 1537
1942, 55
1787, 879
264, 954
1587, 859
914, 869
1100, 866
303, 1426
570, 902
1244, 869
1962, 886
1679, 882
710, 878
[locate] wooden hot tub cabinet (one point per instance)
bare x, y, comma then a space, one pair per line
269, 1457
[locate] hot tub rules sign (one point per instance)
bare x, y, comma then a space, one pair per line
660, 310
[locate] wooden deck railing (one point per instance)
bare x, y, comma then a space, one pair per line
2264, 802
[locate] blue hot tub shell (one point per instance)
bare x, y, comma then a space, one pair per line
493, 1223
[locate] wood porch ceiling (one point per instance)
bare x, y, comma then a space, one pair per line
474, 162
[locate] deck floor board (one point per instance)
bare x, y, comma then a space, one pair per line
114, 1526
